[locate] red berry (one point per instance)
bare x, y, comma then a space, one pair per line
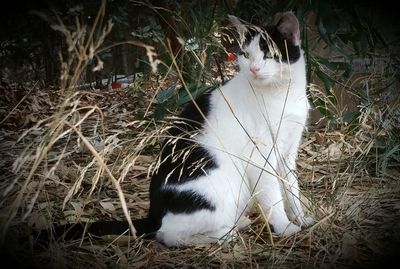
232, 56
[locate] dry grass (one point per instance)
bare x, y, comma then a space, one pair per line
71, 156
357, 212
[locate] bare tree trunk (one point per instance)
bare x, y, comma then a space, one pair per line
125, 59
171, 30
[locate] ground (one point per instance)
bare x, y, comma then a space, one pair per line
64, 155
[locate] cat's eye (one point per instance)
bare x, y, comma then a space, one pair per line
268, 55
246, 55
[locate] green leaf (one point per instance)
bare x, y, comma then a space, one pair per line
172, 98
384, 158
328, 83
166, 94
322, 107
336, 66
350, 116
184, 97
147, 28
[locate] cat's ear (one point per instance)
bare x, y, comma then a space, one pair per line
239, 24
288, 25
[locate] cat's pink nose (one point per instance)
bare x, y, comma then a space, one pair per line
254, 70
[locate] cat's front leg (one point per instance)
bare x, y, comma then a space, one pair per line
267, 189
286, 168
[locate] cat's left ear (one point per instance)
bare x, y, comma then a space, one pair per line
288, 25
239, 24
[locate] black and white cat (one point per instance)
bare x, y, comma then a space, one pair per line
235, 145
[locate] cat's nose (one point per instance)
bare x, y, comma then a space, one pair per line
254, 70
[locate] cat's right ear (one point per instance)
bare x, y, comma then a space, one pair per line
288, 25
239, 24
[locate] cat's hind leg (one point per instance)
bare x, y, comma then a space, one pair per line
222, 235
185, 229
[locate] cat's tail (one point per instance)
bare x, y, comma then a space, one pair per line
145, 228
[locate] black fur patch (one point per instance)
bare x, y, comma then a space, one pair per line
182, 160
288, 50
292, 52
250, 34
184, 201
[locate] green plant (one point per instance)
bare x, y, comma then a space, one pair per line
195, 25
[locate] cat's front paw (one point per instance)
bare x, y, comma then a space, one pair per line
308, 221
243, 223
287, 230
305, 221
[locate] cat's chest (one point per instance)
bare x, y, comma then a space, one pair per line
241, 120
260, 113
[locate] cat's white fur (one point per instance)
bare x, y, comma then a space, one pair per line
253, 131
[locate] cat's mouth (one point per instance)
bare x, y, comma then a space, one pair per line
259, 77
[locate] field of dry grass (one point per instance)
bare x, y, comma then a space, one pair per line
71, 155
89, 156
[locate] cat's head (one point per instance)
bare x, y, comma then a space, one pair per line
265, 51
